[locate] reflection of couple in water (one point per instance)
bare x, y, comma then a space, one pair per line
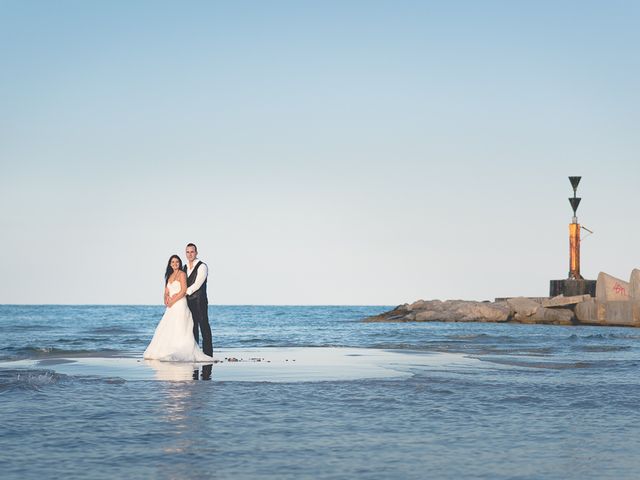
185, 295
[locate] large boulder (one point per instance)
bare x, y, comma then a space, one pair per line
447, 311
554, 316
483, 312
525, 310
522, 307
398, 314
610, 288
419, 305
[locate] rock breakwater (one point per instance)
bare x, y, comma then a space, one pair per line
514, 310
617, 303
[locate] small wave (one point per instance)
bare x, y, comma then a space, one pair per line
112, 330
410, 346
585, 404
598, 336
78, 340
18, 379
108, 380
526, 352
483, 338
29, 352
257, 341
534, 364
31, 328
441, 391
602, 348
522, 400
470, 336
605, 336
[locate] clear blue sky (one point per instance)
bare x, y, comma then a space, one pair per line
317, 152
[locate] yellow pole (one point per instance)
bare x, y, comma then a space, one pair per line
574, 251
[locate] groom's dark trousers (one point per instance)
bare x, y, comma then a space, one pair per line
199, 306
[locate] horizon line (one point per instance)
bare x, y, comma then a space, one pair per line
211, 305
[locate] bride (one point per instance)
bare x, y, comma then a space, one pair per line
173, 339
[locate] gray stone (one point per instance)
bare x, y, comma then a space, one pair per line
484, 312
519, 310
447, 311
555, 316
561, 300
523, 307
425, 316
417, 305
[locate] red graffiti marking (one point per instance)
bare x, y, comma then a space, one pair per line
619, 289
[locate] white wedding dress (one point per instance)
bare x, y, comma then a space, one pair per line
173, 339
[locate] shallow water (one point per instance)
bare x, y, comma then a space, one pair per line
532, 401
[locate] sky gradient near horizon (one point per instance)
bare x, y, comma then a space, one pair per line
337, 152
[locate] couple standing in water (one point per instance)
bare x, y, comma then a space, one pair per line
185, 295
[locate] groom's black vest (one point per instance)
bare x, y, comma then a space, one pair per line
199, 306
199, 295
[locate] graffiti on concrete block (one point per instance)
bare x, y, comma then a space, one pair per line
619, 289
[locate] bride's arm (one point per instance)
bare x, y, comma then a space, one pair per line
166, 295
182, 278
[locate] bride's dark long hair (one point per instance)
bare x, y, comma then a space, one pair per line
169, 271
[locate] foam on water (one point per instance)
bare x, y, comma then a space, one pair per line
27, 379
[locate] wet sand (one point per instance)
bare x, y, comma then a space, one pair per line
301, 364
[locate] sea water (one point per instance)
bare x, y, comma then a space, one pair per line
530, 402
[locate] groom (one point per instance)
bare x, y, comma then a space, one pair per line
197, 297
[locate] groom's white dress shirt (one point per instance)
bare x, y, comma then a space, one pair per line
201, 276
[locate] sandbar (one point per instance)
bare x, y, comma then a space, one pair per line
271, 364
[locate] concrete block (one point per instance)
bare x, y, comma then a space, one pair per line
635, 312
601, 313
555, 316
619, 314
570, 288
587, 312
634, 284
561, 301
609, 288
613, 314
